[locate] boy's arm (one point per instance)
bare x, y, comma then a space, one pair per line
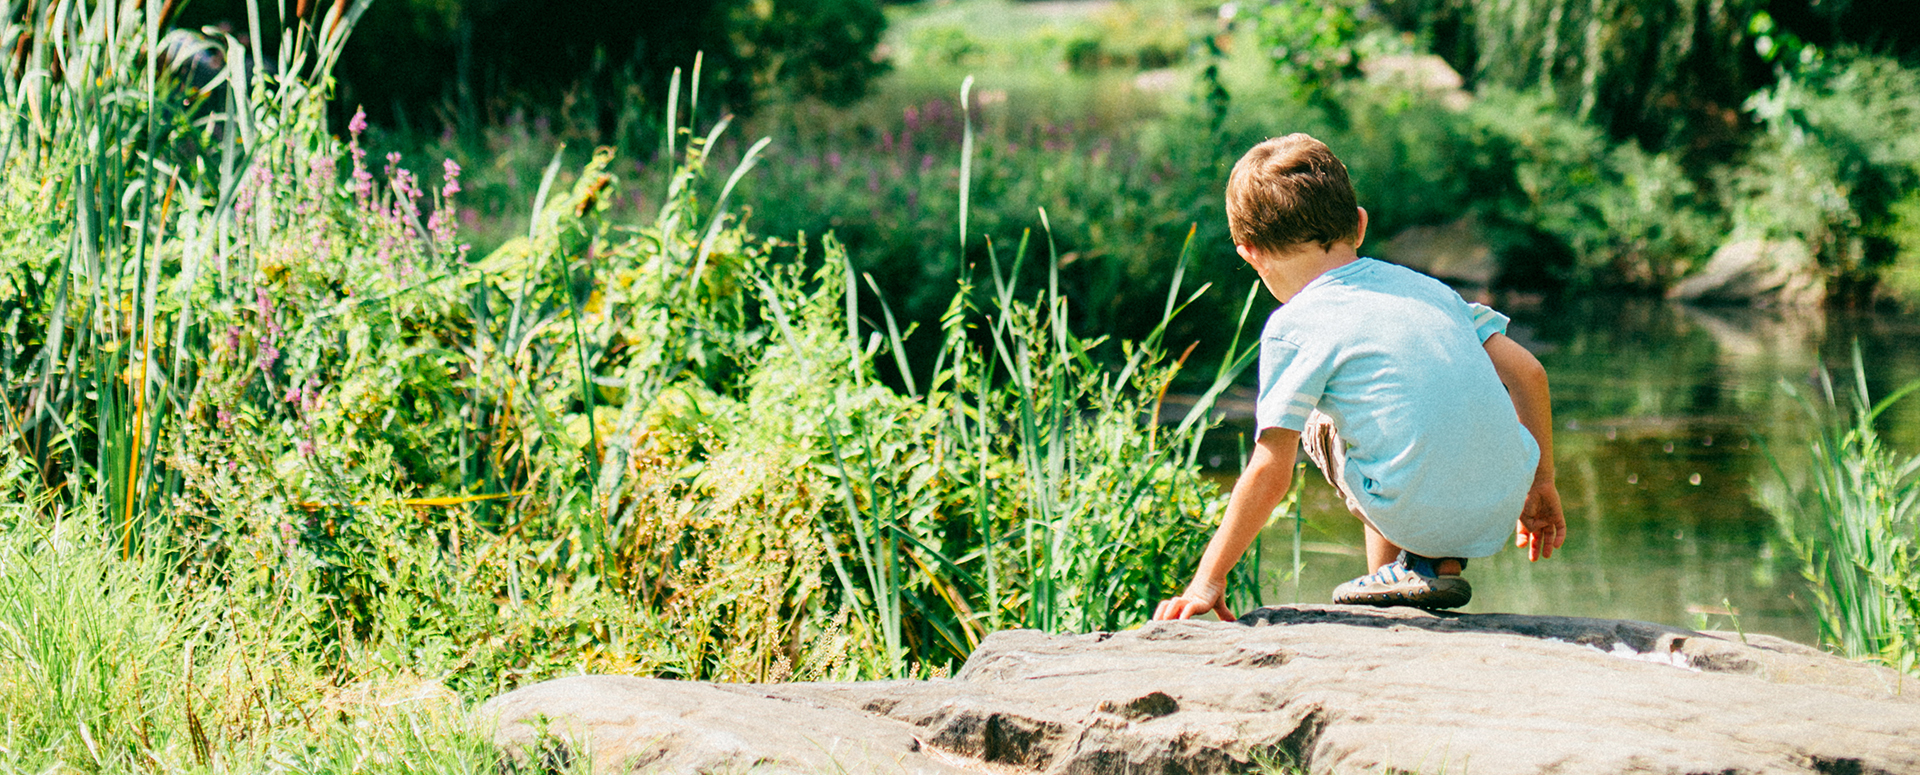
1542, 527
1269, 473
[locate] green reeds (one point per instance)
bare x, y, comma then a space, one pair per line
130, 176
1855, 523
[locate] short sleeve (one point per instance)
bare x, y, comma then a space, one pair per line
1486, 321
1291, 383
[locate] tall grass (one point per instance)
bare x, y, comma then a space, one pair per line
1855, 523
293, 476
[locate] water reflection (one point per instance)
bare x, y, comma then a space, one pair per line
1667, 417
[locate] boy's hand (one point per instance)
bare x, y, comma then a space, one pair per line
1200, 597
1542, 527
1269, 473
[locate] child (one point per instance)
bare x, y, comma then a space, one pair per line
1431, 423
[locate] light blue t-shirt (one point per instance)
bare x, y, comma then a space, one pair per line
1436, 455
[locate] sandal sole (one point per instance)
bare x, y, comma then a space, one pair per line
1443, 592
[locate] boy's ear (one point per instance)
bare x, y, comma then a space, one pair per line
1360, 234
1247, 253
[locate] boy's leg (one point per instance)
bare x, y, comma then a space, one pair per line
1381, 551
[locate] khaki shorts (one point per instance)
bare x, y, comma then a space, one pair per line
1329, 452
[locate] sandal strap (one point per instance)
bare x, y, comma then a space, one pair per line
1428, 567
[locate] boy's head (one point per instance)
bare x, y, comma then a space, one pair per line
1288, 191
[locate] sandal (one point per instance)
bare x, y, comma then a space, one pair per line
1409, 580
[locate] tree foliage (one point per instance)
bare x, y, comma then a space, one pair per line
424, 62
1669, 73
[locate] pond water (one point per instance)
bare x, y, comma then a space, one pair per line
1667, 420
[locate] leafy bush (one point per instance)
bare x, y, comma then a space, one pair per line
1136, 35
1902, 277
1629, 218
429, 63
1842, 151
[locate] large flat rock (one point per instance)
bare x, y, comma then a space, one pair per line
1322, 689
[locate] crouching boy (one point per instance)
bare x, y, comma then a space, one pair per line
1432, 424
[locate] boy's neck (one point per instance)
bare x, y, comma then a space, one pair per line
1287, 272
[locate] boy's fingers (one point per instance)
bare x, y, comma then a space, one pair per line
1177, 608
1220, 610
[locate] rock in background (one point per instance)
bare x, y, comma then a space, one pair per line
1457, 252
1322, 689
1756, 272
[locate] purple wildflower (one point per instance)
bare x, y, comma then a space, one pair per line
306, 447
451, 174
268, 355
265, 302
362, 179
358, 123
406, 188
320, 172
384, 252
243, 201
441, 226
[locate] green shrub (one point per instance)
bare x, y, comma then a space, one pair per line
1629, 218
1902, 276
427, 64
1842, 151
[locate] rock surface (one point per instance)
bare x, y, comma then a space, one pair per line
1322, 689
1756, 272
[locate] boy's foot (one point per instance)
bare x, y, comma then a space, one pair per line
1409, 580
